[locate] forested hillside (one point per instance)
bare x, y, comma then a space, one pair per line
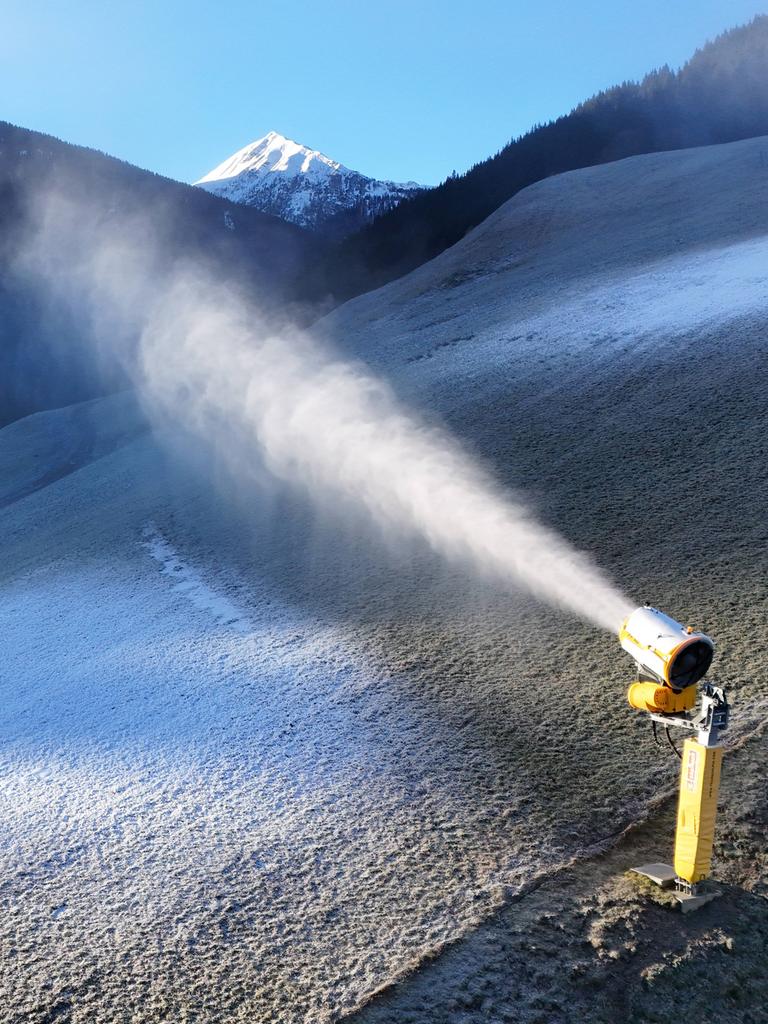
720, 95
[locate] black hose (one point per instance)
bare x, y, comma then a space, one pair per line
672, 744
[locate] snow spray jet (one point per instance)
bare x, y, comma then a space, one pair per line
207, 360
334, 427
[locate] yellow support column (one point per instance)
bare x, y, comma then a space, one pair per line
696, 810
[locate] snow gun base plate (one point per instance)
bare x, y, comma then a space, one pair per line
664, 876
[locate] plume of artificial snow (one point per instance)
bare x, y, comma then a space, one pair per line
205, 358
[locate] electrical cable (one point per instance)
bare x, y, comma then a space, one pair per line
672, 744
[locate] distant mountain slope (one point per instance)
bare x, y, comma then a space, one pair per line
491, 304
720, 95
303, 186
44, 358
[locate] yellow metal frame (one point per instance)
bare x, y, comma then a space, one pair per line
696, 810
702, 756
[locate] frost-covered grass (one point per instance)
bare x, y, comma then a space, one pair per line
233, 808
599, 943
255, 766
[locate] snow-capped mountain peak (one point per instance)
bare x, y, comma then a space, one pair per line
273, 153
281, 177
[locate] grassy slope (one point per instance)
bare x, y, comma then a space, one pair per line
389, 755
597, 944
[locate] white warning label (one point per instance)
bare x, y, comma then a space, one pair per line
691, 765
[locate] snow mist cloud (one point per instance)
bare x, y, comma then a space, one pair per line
260, 395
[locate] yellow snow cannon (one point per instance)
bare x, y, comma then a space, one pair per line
666, 651
672, 660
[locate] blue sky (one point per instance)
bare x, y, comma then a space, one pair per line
401, 90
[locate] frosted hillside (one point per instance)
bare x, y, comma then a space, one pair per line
256, 763
303, 186
46, 350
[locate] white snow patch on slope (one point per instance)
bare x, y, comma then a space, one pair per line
188, 582
575, 268
592, 323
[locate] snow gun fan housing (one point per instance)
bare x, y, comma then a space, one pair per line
671, 660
